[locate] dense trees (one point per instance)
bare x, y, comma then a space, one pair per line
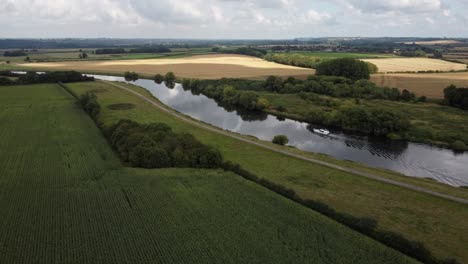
150, 49
345, 67
293, 59
157, 146
456, 97
158, 78
48, 77
245, 51
280, 140
131, 76
339, 87
14, 53
110, 51
413, 53
227, 94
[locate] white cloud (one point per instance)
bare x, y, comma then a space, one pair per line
231, 18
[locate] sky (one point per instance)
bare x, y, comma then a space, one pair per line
232, 19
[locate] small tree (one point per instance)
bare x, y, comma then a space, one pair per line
27, 59
280, 140
170, 77
158, 78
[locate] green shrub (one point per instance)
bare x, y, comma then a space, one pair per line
158, 78
280, 140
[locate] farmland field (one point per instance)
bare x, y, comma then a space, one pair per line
205, 67
431, 85
57, 55
65, 198
395, 209
415, 65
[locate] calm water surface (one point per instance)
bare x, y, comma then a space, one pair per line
408, 158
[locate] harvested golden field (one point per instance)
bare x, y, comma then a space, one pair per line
387, 65
435, 42
204, 67
431, 85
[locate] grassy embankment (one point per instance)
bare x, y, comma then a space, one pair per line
65, 197
417, 216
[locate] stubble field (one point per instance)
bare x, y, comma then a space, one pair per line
389, 65
431, 85
203, 67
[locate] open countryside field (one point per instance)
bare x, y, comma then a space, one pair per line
431, 85
434, 42
415, 64
205, 67
396, 209
65, 198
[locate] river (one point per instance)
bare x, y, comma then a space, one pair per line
411, 159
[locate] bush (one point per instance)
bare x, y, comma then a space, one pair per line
280, 140
346, 67
170, 77
89, 103
158, 78
456, 97
458, 145
131, 76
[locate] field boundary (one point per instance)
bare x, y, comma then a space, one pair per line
287, 153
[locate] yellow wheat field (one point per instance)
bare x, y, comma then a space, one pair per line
431, 85
387, 65
205, 67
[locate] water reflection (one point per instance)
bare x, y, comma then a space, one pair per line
408, 158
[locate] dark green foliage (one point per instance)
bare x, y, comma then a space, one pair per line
52, 77
456, 97
346, 67
150, 49
170, 77
227, 95
246, 51
372, 121
413, 53
110, 51
280, 140
407, 96
14, 53
6, 81
157, 146
89, 103
273, 84
158, 78
131, 76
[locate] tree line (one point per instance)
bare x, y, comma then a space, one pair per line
146, 49
227, 94
46, 77
14, 53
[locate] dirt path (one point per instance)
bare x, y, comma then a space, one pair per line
330, 165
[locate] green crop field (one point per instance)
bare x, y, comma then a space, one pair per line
65, 198
399, 210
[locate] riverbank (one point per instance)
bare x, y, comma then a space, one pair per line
395, 209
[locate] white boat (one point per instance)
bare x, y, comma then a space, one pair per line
321, 131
